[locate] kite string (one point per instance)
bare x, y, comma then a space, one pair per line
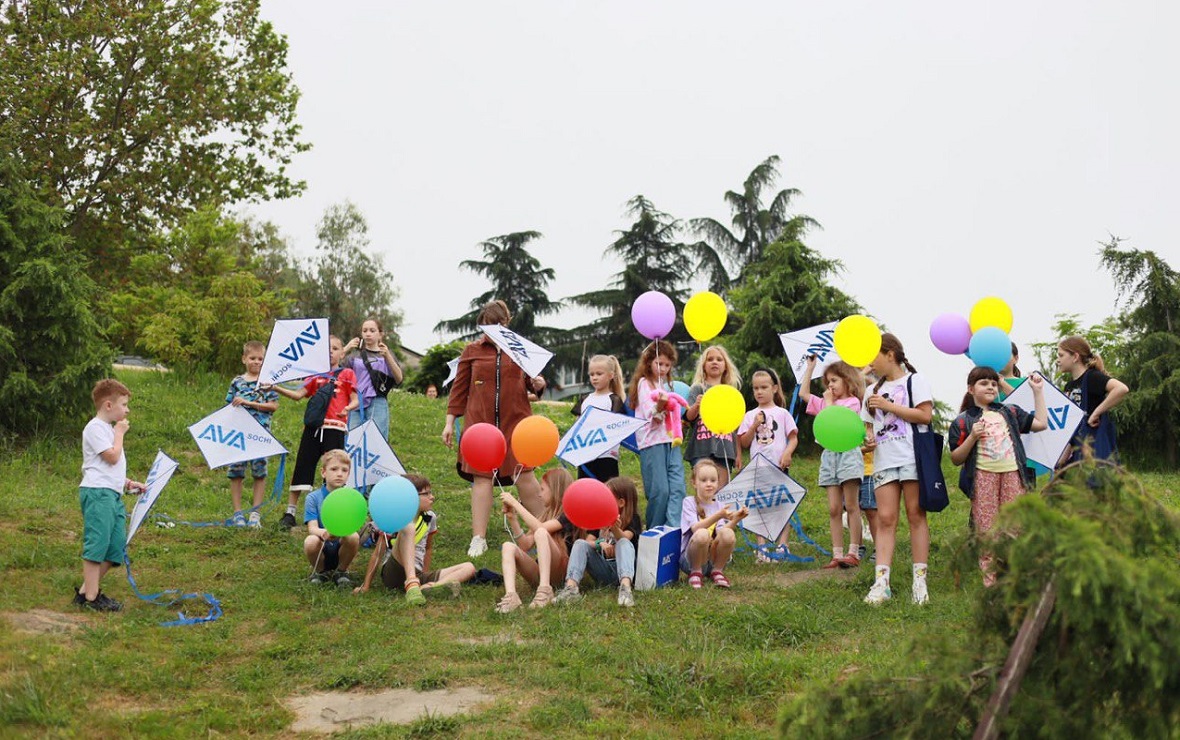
175, 597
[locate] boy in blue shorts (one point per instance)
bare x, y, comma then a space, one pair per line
104, 478
329, 555
245, 391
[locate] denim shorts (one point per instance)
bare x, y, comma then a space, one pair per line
686, 566
238, 469
868, 499
837, 467
909, 471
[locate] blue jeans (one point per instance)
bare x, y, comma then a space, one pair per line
606, 572
377, 410
663, 483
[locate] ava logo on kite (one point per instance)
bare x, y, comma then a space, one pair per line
531, 357
594, 434
161, 472
771, 495
373, 460
817, 341
298, 348
231, 435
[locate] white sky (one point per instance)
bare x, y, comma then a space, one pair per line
950, 151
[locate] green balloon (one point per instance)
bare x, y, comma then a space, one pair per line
343, 512
839, 429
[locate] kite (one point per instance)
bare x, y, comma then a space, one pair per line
594, 433
372, 458
1046, 447
531, 357
158, 476
232, 435
770, 494
298, 348
816, 340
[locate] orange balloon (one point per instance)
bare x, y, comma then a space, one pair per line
534, 441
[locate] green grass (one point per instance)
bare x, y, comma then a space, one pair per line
681, 663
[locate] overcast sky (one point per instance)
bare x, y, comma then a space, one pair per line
950, 151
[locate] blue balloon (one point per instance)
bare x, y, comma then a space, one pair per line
990, 347
393, 503
679, 386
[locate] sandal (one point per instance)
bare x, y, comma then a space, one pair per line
719, 579
542, 598
509, 603
833, 564
695, 579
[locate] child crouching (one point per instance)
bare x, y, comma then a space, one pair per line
328, 554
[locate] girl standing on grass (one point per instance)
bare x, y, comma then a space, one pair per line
1096, 392
708, 530
899, 398
606, 378
611, 559
551, 533
713, 368
840, 473
376, 373
985, 440
660, 461
770, 430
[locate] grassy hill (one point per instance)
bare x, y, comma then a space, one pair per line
682, 663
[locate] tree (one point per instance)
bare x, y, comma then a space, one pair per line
347, 282
725, 254
654, 258
518, 279
133, 113
433, 370
52, 349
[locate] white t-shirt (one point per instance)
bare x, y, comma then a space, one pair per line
97, 438
895, 444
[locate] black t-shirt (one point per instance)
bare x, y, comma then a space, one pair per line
570, 533
1095, 381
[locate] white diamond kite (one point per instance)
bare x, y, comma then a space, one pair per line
372, 457
1045, 447
232, 435
531, 357
816, 340
161, 472
594, 433
298, 348
770, 494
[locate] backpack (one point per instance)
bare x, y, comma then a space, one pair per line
317, 405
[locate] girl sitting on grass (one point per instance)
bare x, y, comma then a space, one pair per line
552, 534
707, 529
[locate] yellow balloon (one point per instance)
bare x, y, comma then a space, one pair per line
991, 311
704, 315
722, 409
857, 340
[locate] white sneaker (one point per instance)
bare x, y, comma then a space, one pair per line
255, 520
477, 547
919, 592
879, 593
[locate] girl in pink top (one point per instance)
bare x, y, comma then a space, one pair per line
839, 472
660, 461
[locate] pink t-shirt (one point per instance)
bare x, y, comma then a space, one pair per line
770, 438
656, 431
816, 404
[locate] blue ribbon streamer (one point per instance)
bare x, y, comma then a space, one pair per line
172, 596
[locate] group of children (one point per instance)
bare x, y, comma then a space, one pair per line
892, 398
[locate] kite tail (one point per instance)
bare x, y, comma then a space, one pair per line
171, 597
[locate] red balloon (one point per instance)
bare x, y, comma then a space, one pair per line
589, 504
483, 447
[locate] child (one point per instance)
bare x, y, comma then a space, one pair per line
660, 461
245, 391
611, 559
432, 391
839, 472
328, 436
104, 478
376, 373
985, 440
415, 543
606, 378
329, 555
552, 550
1096, 392
713, 368
890, 408
708, 531
769, 430
1010, 378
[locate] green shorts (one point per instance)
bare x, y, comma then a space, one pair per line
104, 522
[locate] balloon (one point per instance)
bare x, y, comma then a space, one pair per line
393, 503
990, 347
839, 429
704, 315
681, 388
857, 340
483, 447
589, 504
991, 311
343, 512
534, 441
951, 333
653, 314
722, 409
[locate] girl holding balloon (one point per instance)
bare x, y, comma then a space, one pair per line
770, 430
713, 368
839, 472
552, 534
899, 398
660, 461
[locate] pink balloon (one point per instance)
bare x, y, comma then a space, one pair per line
951, 333
653, 314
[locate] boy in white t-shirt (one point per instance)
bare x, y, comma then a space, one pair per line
104, 478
